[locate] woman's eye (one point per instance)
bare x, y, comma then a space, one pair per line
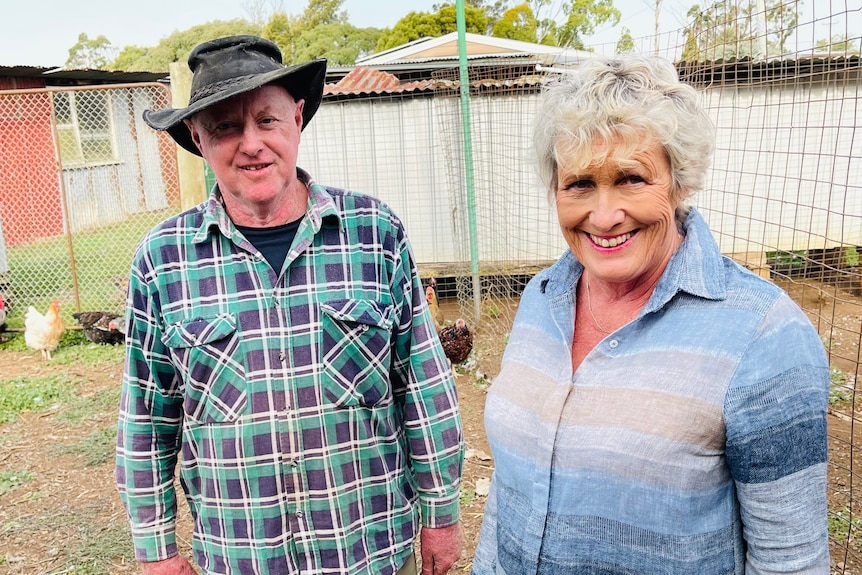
632, 179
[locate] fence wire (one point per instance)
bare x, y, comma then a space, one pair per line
81, 180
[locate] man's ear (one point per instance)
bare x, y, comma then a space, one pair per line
300, 105
196, 137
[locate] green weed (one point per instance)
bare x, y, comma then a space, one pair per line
843, 527
33, 394
96, 448
11, 479
839, 391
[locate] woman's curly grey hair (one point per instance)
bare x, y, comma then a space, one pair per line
623, 104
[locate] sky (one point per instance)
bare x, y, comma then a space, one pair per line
40, 32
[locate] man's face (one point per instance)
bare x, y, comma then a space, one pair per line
251, 143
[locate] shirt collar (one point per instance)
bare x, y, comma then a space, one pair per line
321, 206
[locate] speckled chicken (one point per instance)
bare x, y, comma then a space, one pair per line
97, 326
457, 341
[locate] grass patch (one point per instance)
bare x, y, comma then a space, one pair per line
97, 550
10, 479
839, 390
82, 408
41, 271
96, 448
33, 394
843, 527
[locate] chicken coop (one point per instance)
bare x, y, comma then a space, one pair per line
81, 179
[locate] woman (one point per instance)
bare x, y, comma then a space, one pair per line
659, 409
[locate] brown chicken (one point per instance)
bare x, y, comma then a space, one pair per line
43, 332
457, 340
436, 314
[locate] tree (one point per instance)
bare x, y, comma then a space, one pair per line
836, 45
517, 23
286, 30
626, 43
128, 57
340, 43
566, 22
417, 25
178, 46
736, 29
90, 53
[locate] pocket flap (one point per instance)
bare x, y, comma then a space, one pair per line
199, 331
364, 311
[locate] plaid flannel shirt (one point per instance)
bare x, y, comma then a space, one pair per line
312, 412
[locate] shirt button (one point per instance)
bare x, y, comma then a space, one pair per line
294, 463
613, 343
281, 356
299, 514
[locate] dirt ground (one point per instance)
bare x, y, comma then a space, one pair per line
68, 506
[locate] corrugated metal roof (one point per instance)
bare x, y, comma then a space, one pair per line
55, 76
363, 80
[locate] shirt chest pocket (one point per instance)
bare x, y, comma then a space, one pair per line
356, 350
208, 358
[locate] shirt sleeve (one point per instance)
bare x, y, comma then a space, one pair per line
776, 449
149, 427
423, 382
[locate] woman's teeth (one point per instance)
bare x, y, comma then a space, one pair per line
611, 242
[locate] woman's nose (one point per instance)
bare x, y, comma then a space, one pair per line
606, 211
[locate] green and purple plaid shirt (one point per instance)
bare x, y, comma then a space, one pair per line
312, 412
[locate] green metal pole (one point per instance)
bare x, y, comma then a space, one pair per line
468, 158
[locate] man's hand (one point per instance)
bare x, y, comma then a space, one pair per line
440, 548
176, 565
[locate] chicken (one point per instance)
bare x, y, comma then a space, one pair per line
97, 328
118, 324
436, 314
43, 332
2, 314
457, 341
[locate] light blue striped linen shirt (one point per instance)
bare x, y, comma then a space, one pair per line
690, 441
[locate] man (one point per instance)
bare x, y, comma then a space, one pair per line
279, 339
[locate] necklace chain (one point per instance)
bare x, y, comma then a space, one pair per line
590, 308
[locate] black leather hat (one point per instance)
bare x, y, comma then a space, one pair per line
226, 67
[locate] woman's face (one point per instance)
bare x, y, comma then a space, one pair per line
617, 214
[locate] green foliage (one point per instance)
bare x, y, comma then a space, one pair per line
89, 53
10, 479
626, 43
34, 394
731, 29
517, 23
127, 58
416, 25
177, 46
295, 35
851, 257
96, 448
580, 18
839, 391
341, 44
467, 497
838, 44
843, 527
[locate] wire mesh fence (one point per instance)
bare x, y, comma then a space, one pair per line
81, 180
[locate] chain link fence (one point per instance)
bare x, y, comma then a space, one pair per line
82, 178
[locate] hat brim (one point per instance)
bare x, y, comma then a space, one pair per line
303, 81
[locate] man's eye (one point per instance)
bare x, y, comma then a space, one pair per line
633, 179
